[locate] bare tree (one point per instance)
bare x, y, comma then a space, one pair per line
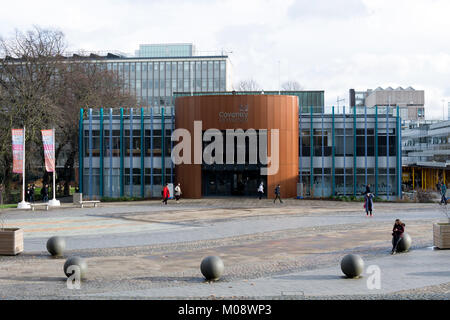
29, 64
88, 85
41, 88
291, 85
248, 85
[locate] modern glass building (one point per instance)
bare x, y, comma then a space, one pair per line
153, 79
126, 152
165, 50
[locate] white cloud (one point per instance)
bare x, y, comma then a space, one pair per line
323, 44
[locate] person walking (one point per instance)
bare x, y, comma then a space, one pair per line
44, 193
397, 233
32, 187
166, 194
178, 192
443, 192
27, 193
368, 203
277, 194
261, 190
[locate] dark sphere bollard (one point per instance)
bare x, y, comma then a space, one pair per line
212, 268
56, 246
352, 265
76, 261
404, 243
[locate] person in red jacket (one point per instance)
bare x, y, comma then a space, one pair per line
166, 193
397, 233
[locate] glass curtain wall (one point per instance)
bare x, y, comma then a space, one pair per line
149, 160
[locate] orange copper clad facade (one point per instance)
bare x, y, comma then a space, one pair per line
264, 112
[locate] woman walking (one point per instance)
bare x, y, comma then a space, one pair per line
368, 204
178, 192
166, 194
261, 190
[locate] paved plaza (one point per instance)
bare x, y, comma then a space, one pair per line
144, 250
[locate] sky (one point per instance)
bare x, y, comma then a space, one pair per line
330, 45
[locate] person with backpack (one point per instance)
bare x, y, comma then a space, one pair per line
166, 194
277, 194
261, 190
397, 233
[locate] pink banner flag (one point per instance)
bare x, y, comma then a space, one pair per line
49, 150
17, 150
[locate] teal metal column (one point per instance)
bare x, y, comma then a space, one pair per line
101, 153
121, 153
333, 163
80, 151
376, 151
399, 155
163, 147
311, 170
354, 150
142, 154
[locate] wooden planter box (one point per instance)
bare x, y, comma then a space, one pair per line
441, 235
11, 241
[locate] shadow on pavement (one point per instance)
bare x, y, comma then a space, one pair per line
310, 277
431, 274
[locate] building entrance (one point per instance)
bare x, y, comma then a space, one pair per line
232, 183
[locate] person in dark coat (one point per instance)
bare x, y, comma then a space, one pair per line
368, 203
32, 193
397, 233
44, 193
27, 193
277, 194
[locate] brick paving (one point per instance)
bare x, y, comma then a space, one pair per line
146, 250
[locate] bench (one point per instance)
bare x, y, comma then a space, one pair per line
78, 200
33, 205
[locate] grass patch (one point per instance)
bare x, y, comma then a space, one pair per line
5, 206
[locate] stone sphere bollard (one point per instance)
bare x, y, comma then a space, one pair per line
76, 261
56, 246
404, 243
212, 268
352, 265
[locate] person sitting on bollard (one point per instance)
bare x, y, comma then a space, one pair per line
397, 233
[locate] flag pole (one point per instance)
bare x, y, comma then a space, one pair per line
23, 204
54, 202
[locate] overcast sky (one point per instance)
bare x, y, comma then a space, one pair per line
330, 45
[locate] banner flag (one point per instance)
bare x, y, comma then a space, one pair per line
49, 150
17, 149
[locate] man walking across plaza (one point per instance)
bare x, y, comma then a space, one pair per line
166, 194
277, 194
178, 192
443, 192
44, 193
261, 190
32, 193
